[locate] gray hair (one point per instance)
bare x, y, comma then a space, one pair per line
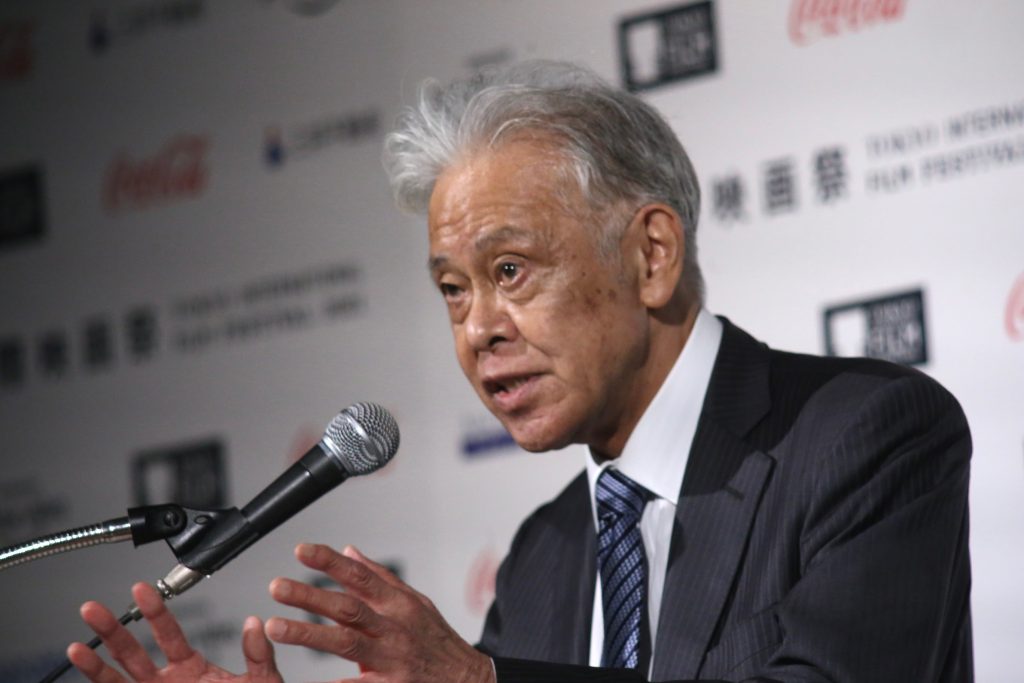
617, 147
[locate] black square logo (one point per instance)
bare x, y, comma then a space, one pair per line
890, 327
12, 362
667, 46
191, 474
22, 212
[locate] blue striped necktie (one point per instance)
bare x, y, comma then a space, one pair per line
623, 565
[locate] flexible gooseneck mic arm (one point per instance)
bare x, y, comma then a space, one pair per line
142, 525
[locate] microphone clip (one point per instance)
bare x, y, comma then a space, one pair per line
183, 528
194, 535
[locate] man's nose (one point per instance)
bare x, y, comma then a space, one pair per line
488, 323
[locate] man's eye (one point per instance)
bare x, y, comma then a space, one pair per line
449, 291
508, 271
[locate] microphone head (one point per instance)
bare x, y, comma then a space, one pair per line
364, 437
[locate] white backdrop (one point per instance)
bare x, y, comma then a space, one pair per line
198, 246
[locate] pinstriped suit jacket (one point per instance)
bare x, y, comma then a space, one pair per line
821, 535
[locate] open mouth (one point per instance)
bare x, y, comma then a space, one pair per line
507, 386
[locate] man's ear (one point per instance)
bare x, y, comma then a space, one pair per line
659, 249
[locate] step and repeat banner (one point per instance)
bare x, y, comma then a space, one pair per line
200, 264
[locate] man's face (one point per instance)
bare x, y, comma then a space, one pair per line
550, 334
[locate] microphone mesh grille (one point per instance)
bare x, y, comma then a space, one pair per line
364, 437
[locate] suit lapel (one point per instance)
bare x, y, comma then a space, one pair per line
575, 568
721, 491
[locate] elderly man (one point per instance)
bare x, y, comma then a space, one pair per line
743, 514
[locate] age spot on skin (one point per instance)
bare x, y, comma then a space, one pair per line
591, 300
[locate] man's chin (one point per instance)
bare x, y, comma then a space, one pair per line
536, 438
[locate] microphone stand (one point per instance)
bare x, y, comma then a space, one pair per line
181, 527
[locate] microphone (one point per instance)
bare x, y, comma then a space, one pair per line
359, 440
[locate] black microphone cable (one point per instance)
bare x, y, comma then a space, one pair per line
65, 666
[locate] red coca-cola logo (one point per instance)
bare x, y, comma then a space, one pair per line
177, 171
15, 50
810, 19
1015, 310
480, 581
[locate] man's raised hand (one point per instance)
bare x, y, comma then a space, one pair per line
184, 665
392, 632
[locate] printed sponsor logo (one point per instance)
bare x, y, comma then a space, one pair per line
780, 186
15, 50
272, 304
480, 581
812, 19
140, 18
668, 46
1014, 318
191, 474
97, 343
141, 333
177, 171
244, 312
298, 142
22, 212
483, 435
962, 145
53, 354
780, 193
890, 328
927, 154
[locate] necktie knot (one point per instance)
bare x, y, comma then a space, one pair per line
618, 496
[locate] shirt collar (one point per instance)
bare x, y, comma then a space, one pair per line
656, 453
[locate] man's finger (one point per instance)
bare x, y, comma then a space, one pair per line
121, 644
385, 574
340, 607
347, 643
258, 652
166, 630
380, 570
351, 574
92, 666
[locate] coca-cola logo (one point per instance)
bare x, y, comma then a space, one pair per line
1015, 310
177, 171
480, 581
811, 19
15, 50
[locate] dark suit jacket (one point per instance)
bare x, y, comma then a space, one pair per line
821, 535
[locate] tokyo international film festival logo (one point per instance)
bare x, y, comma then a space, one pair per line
889, 327
668, 46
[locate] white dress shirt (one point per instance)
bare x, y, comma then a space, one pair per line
655, 456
